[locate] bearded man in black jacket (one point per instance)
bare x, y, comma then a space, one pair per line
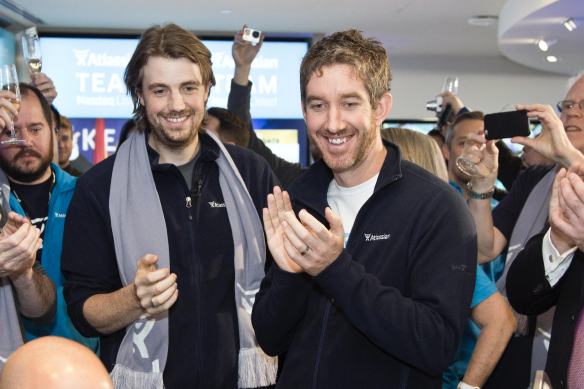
376, 257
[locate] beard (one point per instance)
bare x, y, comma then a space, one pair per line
175, 138
348, 161
27, 172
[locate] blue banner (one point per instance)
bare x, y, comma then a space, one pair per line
88, 74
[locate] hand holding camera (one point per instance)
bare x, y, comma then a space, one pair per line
244, 52
552, 143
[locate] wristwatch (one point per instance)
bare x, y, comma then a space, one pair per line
479, 196
462, 385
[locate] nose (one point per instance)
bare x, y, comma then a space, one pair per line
176, 103
334, 120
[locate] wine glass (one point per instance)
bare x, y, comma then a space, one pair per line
469, 167
32, 52
9, 81
450, 85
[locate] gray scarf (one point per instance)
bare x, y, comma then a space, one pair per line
11, 338
142, 355
530, 222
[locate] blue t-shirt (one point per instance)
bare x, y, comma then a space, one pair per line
485, 287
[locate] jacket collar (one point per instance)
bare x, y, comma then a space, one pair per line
312, 187
65, 182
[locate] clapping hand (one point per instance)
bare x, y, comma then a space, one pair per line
19, 242
306, 243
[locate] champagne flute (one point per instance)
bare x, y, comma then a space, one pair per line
32, 52
9, 81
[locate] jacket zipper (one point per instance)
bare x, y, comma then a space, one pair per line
320, 344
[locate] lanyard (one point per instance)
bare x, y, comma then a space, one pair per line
53, 183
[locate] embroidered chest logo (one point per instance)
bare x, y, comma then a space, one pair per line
371, 237
60, 214
214, 204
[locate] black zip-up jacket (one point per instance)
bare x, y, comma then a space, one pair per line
203, 329
389, 312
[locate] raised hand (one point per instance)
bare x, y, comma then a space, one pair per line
449, 98
552, 143
567, 210
7, 109
45, 85
278, 205
316, 248
19, 242
243, 51
484, 154
156, 290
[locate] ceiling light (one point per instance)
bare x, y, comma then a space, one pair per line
551, 58
226, 11
572, 24
543, 46
483, 20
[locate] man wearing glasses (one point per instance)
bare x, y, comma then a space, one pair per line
523, 214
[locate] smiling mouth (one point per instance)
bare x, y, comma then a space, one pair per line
338, 141
177, 120
572, 129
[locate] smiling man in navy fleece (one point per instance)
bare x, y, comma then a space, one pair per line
374, 283
116, 295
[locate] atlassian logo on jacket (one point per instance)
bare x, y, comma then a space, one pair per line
371, 238
214, 204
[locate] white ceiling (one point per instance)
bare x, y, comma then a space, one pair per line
523, 22
403, 26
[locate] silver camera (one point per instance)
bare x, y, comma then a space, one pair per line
251, 35
435, 105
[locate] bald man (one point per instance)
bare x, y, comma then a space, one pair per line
53, 362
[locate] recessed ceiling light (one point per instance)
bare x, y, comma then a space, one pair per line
483, 20
572, 24
551, 58
543, 46
226, 11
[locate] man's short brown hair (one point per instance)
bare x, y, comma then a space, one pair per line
366, 56
231, 128
27, 90
65, 124
166, 41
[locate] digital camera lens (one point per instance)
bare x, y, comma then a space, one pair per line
256, 34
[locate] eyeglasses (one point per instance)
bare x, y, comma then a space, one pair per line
65, 138
568, 104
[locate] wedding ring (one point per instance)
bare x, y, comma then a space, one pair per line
152, 303
305, 251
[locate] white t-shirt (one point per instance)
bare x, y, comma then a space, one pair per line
346, 202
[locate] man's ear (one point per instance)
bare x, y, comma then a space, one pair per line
446, 152
303, 110
231, 143
383, 108
140, 96
207, 91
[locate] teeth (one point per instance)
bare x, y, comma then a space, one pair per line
337, 141
177, 120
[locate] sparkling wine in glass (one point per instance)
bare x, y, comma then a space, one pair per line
9, 81
32, 52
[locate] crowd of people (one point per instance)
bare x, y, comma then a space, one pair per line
382, 265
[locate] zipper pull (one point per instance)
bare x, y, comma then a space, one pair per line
198, 191
189, 205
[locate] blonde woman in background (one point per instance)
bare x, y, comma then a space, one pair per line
418, 148
476, 357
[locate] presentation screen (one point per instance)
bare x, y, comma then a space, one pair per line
89, 76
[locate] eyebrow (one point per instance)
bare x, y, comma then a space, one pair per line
35, 124
352, 96
313, 98
160, 85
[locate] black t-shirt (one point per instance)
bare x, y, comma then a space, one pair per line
34, 200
